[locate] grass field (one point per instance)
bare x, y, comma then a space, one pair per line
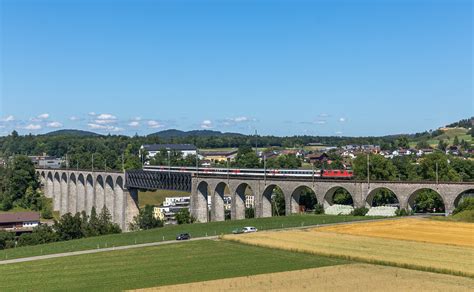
414, 229
464, 216
351, 277
170, 232
156, 198
441, 258
154, 266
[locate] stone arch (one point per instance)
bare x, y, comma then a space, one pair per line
217, 206
462, 195
49, 188
90, 200
239, 200
369, 200
64, 194
81, 193
329, 196
99, 190
72, 194
296, 203
201, 204
268, 204
110, 196
413, 196
57, 192
119, 202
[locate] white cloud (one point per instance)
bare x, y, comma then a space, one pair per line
54, 125
323, 115
206, 124
105, 128
338, 133
134, 124
105, 119
137, 119
33, 127
96, 126
342, 120
92, 114
9, 118
154, 124
241, 119
43, 116
74, 118
321, 122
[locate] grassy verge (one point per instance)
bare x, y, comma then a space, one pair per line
154, 266
170, 232
464, 216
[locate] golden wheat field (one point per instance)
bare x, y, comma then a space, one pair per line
352, 277
451, 259
414, 229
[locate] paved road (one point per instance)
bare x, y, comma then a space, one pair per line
66, 254
90, 251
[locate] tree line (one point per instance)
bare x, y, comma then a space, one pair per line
68, 227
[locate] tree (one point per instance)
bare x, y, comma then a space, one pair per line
402, 142
381, 168
69, 227
442, 145
423, 144
428, 201
278, 203
184, 217
145, 219
308, 199
41, 234
7, 240
131, 158
437, 161
246, 158
456, 141
342, 197
384, 197
249, 213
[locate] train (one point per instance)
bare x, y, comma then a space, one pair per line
325, 173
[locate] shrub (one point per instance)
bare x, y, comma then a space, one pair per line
318, 209
466, 204
360, 211
184, 217
403, 212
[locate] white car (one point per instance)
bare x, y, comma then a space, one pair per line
249, 229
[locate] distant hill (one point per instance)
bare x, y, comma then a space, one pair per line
466, 123
70, 132
173, 133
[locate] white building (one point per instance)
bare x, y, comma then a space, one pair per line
249, 201
176, 201
184, 149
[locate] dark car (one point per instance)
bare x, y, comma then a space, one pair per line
183, 236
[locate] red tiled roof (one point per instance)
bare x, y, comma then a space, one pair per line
19, 217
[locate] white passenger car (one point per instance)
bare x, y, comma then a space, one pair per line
249, 229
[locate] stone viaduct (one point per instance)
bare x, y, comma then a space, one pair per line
77, 191
212, 188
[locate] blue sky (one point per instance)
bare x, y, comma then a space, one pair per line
281, 67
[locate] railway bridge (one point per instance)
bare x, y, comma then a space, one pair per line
79, 190
211, 187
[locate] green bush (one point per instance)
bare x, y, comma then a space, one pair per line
466, 204
318, 209
403, 212
360, 211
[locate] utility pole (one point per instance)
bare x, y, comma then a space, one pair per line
169, 163
256, 143
123, 163
437, 177
265, 169
368, 170
92, 162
